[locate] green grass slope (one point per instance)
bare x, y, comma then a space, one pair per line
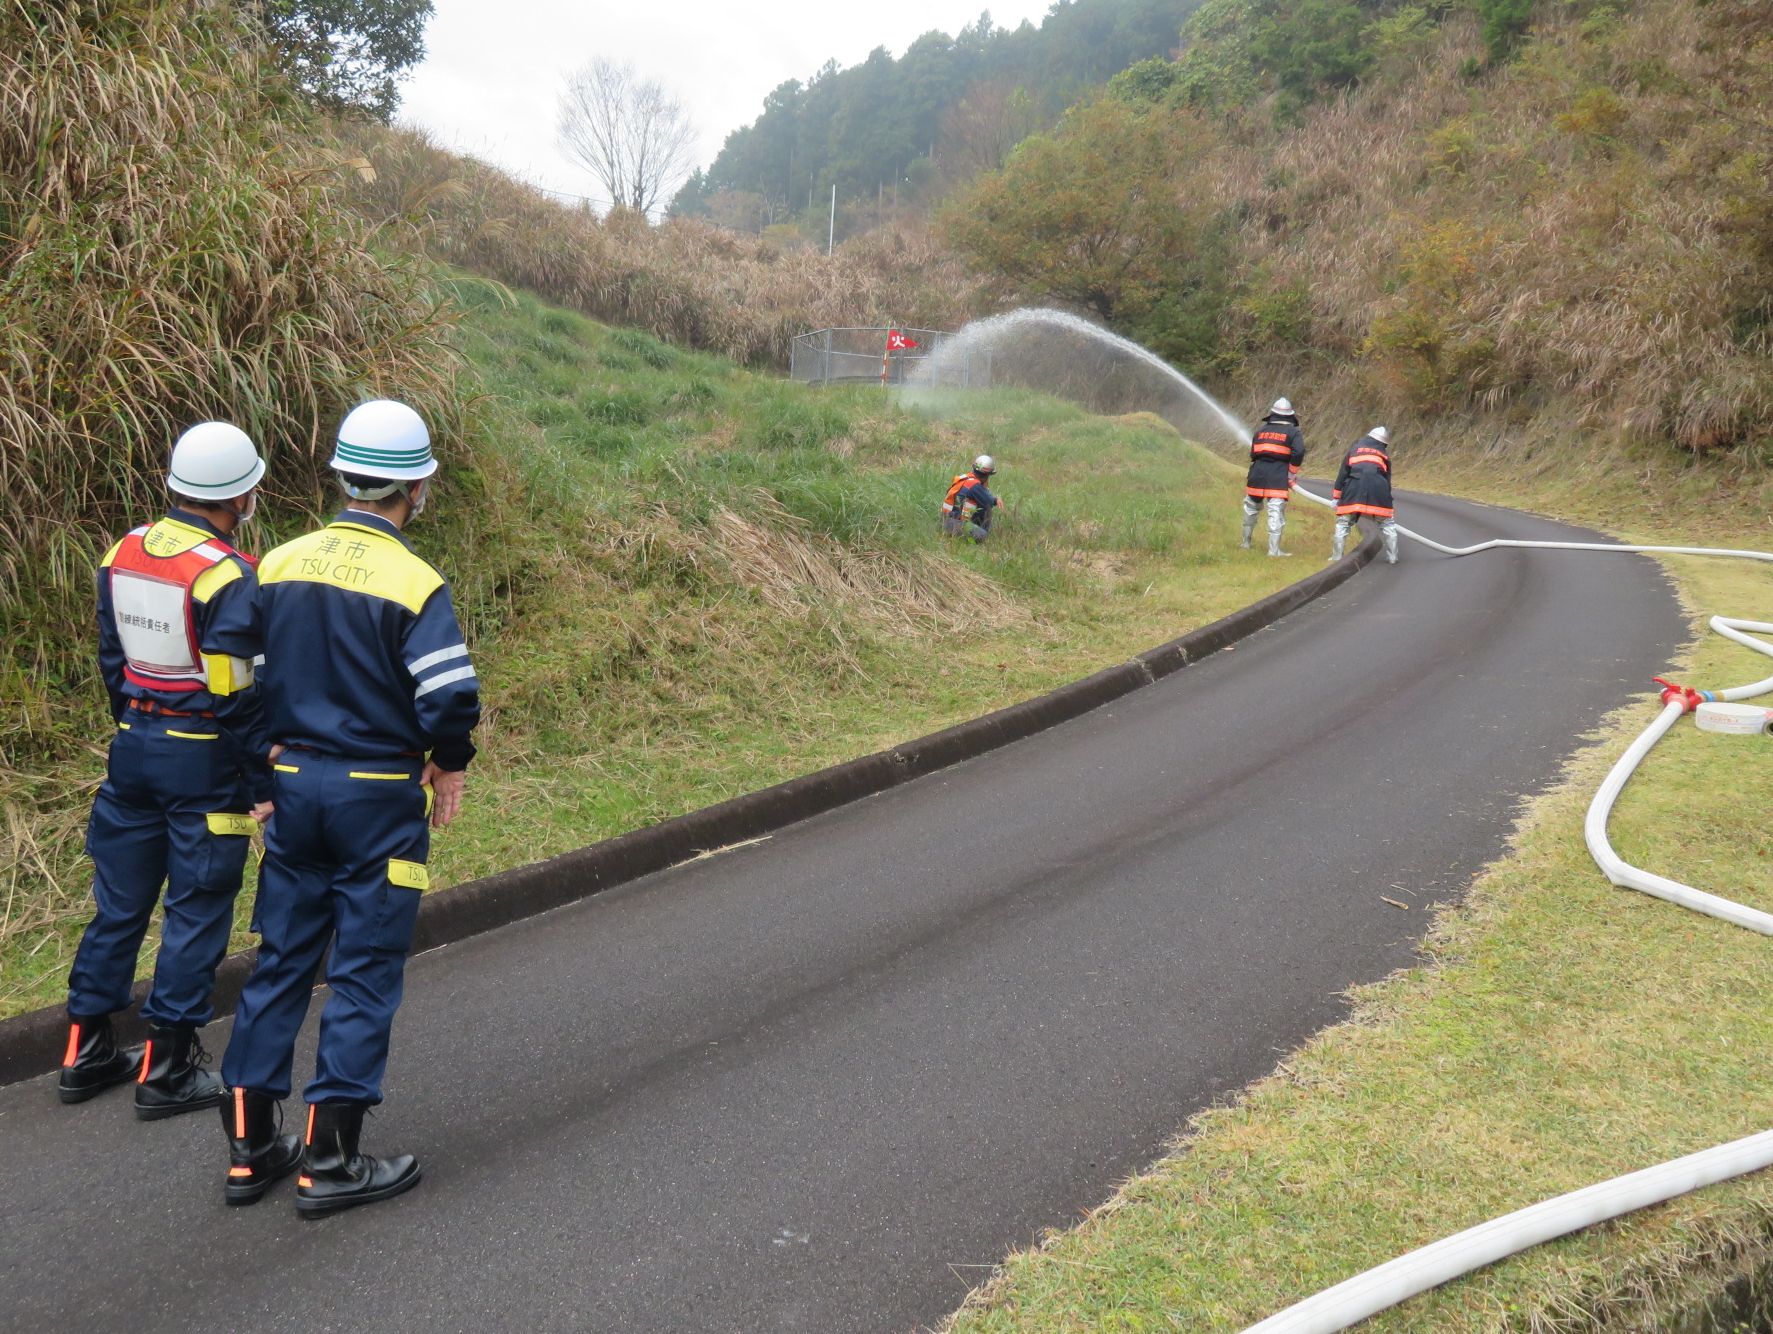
685, 581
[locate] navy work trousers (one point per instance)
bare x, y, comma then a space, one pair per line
173, 810
344, 862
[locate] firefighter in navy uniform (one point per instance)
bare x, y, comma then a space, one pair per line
371, 699
968, 506
1363, 489
187, 774
1277, 451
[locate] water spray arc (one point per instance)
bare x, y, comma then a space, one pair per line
1367, 1294
939, 367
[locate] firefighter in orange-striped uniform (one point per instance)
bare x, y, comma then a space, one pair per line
1363, 490
187, 780
1276, 453
968, 507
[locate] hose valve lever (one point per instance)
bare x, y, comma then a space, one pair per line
1687, 697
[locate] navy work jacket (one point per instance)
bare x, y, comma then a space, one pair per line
364, 657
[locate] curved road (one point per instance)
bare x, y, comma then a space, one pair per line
823, 1082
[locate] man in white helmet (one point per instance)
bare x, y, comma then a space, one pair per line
372, 700
187, 775
968, 506
1277, 451
1363, 488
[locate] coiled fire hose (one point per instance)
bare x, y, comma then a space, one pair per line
1367, 1294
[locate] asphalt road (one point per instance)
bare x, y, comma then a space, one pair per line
823, 1082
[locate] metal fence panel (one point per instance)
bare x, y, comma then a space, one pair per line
860, 356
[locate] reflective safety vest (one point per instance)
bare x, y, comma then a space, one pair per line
153, 572
966, 479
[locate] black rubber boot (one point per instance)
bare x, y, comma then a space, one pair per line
94, 1062
335, 1175
257, 1154
173, 1080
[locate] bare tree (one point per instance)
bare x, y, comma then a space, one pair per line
628, 132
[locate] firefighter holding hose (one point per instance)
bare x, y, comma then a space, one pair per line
1363, 489
968, 507
1277, 451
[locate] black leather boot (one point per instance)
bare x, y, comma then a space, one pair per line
257, 1154
335, 1175
173, 1079
94, 1062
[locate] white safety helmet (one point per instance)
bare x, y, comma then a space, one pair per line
984, 463
1380, 434
384, 439
214, 461
1282, 408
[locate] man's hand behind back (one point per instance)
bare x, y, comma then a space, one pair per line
446, 787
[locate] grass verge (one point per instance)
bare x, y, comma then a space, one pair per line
689, 582
1558, 1032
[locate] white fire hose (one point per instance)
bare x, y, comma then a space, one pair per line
1367, 1294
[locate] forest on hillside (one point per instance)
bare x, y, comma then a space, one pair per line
935, 117
1557, 214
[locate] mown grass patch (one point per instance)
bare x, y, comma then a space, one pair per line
684, 581
1558, 1032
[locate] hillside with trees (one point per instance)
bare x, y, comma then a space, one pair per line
927, 121
1549, 221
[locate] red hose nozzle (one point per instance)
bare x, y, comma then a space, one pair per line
1687, 697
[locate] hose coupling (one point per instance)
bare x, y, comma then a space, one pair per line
1687, 697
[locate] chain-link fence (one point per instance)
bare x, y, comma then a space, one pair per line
861, 356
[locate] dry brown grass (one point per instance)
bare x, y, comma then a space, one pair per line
1582, 229
171, 249
686, 281
799, 572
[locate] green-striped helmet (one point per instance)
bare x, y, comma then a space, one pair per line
385, 439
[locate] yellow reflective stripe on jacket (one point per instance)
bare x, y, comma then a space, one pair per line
386, 778
408, 875
193, 736
356, 559
169, 537
214, 580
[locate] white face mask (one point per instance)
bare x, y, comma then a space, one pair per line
417, 497
252, 507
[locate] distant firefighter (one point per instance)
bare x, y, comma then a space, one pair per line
968, 506
1363, 487
1277, 451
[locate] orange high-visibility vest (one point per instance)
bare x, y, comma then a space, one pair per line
153, 571
965, 479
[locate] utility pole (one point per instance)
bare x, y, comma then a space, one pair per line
831, 236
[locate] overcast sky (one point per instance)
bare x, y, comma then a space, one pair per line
491, 80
